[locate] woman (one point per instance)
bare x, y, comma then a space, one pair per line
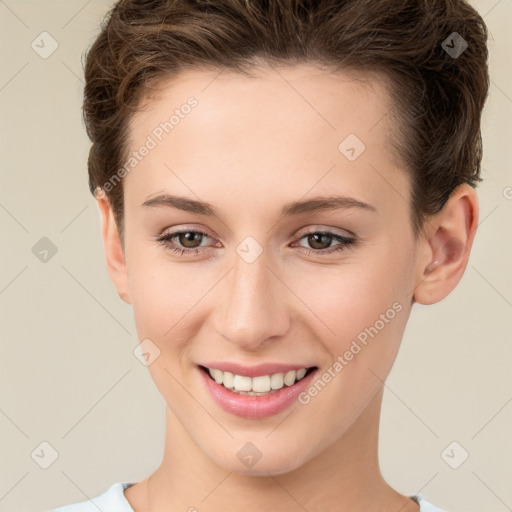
279, 182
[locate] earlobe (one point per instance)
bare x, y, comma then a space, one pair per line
114, 252
447, 246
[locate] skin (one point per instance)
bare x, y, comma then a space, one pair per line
250, 146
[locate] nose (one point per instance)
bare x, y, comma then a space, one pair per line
252, 308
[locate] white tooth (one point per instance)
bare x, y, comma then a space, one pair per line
242, 383
261, 384
277, 380
228, 380
289, 378
212, 373
217, 375
301, 373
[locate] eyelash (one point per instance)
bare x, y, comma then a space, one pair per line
345, 242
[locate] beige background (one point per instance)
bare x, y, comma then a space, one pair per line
67, 372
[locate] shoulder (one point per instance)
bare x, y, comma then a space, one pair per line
111, 500
425, 506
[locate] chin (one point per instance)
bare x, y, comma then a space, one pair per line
277, 463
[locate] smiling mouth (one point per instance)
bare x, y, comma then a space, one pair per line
257, 386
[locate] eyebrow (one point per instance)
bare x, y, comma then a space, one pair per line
316, 204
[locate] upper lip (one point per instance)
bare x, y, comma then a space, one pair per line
254, 371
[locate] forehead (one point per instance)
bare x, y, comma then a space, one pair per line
289, 129
340, 100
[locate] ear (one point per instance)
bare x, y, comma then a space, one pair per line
446, 246
114, 252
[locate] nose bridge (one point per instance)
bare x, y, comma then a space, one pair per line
253, 308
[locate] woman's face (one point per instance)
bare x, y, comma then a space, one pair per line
270, 282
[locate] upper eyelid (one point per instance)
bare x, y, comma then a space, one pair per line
331, 231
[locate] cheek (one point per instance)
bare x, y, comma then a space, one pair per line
163, 291
165, 296
346, 299
366, 317
358, 311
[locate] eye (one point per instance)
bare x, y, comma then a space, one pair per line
320, 239
189, 238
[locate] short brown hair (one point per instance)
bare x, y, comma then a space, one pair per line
438, 94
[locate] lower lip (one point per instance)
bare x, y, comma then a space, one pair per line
250, 406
